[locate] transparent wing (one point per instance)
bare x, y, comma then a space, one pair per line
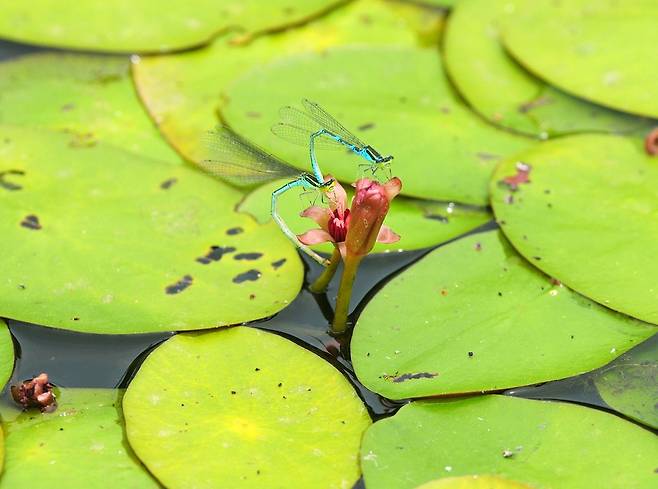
297, 135
326, 121
236, 160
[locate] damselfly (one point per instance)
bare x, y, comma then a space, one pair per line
305, 127
236, 160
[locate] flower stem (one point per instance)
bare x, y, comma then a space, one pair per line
321, 283
345, 293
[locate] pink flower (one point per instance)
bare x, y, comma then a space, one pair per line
354, 230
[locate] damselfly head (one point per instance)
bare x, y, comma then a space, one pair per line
375, 156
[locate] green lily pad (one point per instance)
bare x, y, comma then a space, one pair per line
145, 26
504, 92
90, 97
244, 408
542, 444
96, 239
600, 50
182, 91
588, 217
81, 444
630, 383
419, 223
442, 150
6, 354
473, 482
474, 316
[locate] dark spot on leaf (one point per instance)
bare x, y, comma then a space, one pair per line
76, 318
254, 115
179, 286
500, 294
478, 246
509, 199
247, 256
252, 296
538, 102
21, 286
9, 185
538, 258
436, 217
445, 110
256, 369
251, 275
483, 155
233, 392
280, 384
234, 231
31, 222
366, 126
547, 191
215, 254
444, 292
278, 263
414, 376
522, 176
67, 107
470, 354
168, 183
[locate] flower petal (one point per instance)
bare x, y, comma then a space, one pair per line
337, 197
320, 215
315, 236
387, 235
392, 188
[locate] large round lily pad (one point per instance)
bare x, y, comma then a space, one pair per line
81, 444
473, 482
586, 213
542, 444
96, 239
6, 354
244, 408
144, 25
442, 150
630, 384
475, 316
600, 50
503, 91
90, 97
182, 91
420, 223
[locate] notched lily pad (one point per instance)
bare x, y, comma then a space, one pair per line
420, 223
129, 26
605, 251
474, 316
572, 45
503, 91
536, 443
240, 407
81, 444
91, 98
99, 240
442, 150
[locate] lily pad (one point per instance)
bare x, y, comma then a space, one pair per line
442, 150
90, 97
474, 316
600, 50
240, 408
587, 215
474, 482
81, 444
182, 91
6, 355
542, 444
503, 91
630, 383
96, 239
420, 223
145, 26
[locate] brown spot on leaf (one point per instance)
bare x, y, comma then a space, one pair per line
366, 126
444, 292
168, 183
31, 222
215, 254
278, 263
234, 231
9, 185
247, 256
179, 286
410, 376
249, 275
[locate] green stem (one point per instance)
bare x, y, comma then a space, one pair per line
321, 283
345, 294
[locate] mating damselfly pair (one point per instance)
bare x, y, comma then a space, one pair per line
236, 160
